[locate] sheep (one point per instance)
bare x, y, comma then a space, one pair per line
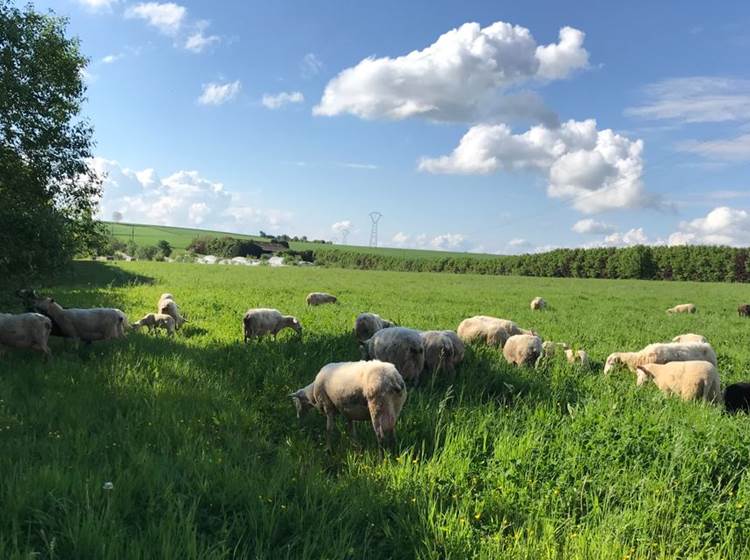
549, 348
259, 322
156, 321
442, 350
88, 325
367, 324
26, 330
690, 337
168, 306
359, 391
490, 330
319, 298
538, 303
523, 349
400, 346
682, 308
743, 310
691, 380
661, 353
580, 357
737, 397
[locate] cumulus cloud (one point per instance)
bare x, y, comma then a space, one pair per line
167, 17
197, 41
721, 226
696, 99
183, 198
216, 93
111, 58
635, 236
280, 99
97, 5
730, 149
589, 226
310, 66
595, 170
460, 77
442, 242
342, 226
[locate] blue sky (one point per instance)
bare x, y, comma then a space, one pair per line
268, 115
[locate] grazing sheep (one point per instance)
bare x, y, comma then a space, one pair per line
168, 306
682, 308
156, 321
737, 397
259, 322
359, 391
400, 346
99, 323
490, 330
367, 324
319, 298
26, 330
523, 349
538, 303
442, 350
691, 380
580, 357
690, 337
661, 353
743, 310
550, 349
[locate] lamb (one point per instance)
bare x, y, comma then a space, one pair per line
367, 324
400, 346
319, 298
580, 357
168, 306
743, 310
538, 303
259, 322
690, 337
100, 323
490, 330
737, 397
359, 391
156, 321
523, 349
661, 353
26, 330
682, 308
691, 380
442, 350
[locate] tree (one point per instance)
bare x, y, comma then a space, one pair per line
165, 247
48, 192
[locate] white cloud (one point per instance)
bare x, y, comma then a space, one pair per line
721, 226
518, 242
280, 99
216, 94
184, 198
310, 66
444, 242
111, 58
167, 17
354, 165
197, 41
589, 225
97, 5
595, 170
733, 149
696, 99
460, 77
635, 236
340, 227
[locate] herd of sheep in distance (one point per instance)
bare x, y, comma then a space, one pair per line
374, 389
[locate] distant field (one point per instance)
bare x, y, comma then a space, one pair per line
207, 459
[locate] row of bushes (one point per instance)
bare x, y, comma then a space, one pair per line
696, 263
230, 247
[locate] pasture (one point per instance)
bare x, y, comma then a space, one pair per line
207, 459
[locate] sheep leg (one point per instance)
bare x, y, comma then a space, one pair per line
330, 425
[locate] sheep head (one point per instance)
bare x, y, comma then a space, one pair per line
642, 375
303, 400
613, 360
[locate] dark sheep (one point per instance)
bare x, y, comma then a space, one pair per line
744, 310
737, 397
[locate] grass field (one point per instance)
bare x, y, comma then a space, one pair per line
208, 460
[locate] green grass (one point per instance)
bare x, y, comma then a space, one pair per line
209, 461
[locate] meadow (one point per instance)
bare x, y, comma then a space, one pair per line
207, 459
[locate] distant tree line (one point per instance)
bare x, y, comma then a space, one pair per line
698, 263
230, 247
285, 238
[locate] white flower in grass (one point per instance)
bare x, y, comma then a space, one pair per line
108, 486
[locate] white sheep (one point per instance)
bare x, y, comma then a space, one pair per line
25, 330
690, 337
579, 357
690, 380
259, 322
490, 330
682, 308
155, 321
522, 349
367, 324
99, 323
168, 306
443, 350
359, 391
538, 303
661, 353
400, 346
319, 298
